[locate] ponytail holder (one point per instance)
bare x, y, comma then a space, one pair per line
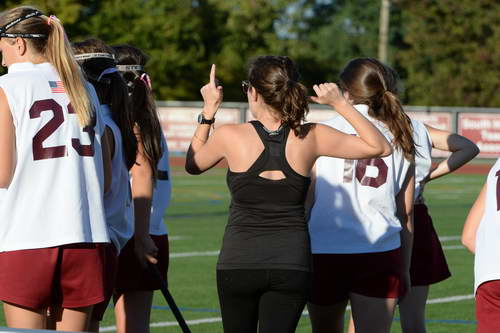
146, 79
51, 18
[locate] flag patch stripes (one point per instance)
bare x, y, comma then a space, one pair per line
56, 87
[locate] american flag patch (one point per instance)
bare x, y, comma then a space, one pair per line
56, 87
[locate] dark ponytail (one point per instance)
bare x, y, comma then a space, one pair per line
131, 62
111, 90
370, 82
275, 78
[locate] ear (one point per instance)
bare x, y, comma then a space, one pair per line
254, 95
21, 46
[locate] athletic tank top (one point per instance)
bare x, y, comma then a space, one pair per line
355, 200
267, 227
487, 259
423, 159
118, 200
161, 194
56, 193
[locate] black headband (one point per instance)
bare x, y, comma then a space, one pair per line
3, 30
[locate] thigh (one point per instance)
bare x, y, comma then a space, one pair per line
488, 307
18, 269
371, 314
81, 280
412, 309
327, 318
330, 279
378, 275
281, 305
239, 295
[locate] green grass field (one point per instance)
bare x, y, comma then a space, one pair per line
196, 221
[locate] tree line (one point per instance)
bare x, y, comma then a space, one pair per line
445, 51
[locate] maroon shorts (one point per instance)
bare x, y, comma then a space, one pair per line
488, 307
428, 263
110, 269
132, 276
69, 275
376, 274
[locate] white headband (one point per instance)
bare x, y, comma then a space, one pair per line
128, 68
85, 56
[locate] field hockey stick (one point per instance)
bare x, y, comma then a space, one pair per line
170, 300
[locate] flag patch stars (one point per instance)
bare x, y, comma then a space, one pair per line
56, 87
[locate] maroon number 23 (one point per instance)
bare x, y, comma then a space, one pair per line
39, 151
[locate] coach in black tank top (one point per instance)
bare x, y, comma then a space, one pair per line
267, 227
263, 267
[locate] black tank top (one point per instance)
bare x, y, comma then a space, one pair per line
267, 226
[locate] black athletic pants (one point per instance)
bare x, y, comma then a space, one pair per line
273, 298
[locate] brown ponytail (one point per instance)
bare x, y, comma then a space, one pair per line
370, 82
57, 49
275, 78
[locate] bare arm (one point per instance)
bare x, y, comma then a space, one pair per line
7, 143
205, 152
463, 150
142, 193
330, 142
473, 220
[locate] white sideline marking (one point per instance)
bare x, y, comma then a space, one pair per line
194, 254
215, 253
172, 238
450, 299
430, 301
454, 247
219, 319
449, 238
170, 323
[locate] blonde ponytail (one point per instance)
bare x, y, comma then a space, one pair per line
47, 37
59, 53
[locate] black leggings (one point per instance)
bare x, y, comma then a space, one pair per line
273, 298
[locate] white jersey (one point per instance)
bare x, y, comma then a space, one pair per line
487, 259
355, 200
423, 158
56, 193
118, 200
162, 193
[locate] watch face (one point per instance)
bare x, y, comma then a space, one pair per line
200, 118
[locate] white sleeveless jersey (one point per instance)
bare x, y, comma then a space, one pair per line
487, 259
423, 158
355, 200
56, 194
162, 193
118, 200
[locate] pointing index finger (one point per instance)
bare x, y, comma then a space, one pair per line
212, 75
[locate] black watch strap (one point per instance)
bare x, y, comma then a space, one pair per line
203, 120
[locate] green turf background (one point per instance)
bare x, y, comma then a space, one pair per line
198, 213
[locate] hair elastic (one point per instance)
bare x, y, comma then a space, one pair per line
146, 79
129, 68
86, 56
52, 18
3, 30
